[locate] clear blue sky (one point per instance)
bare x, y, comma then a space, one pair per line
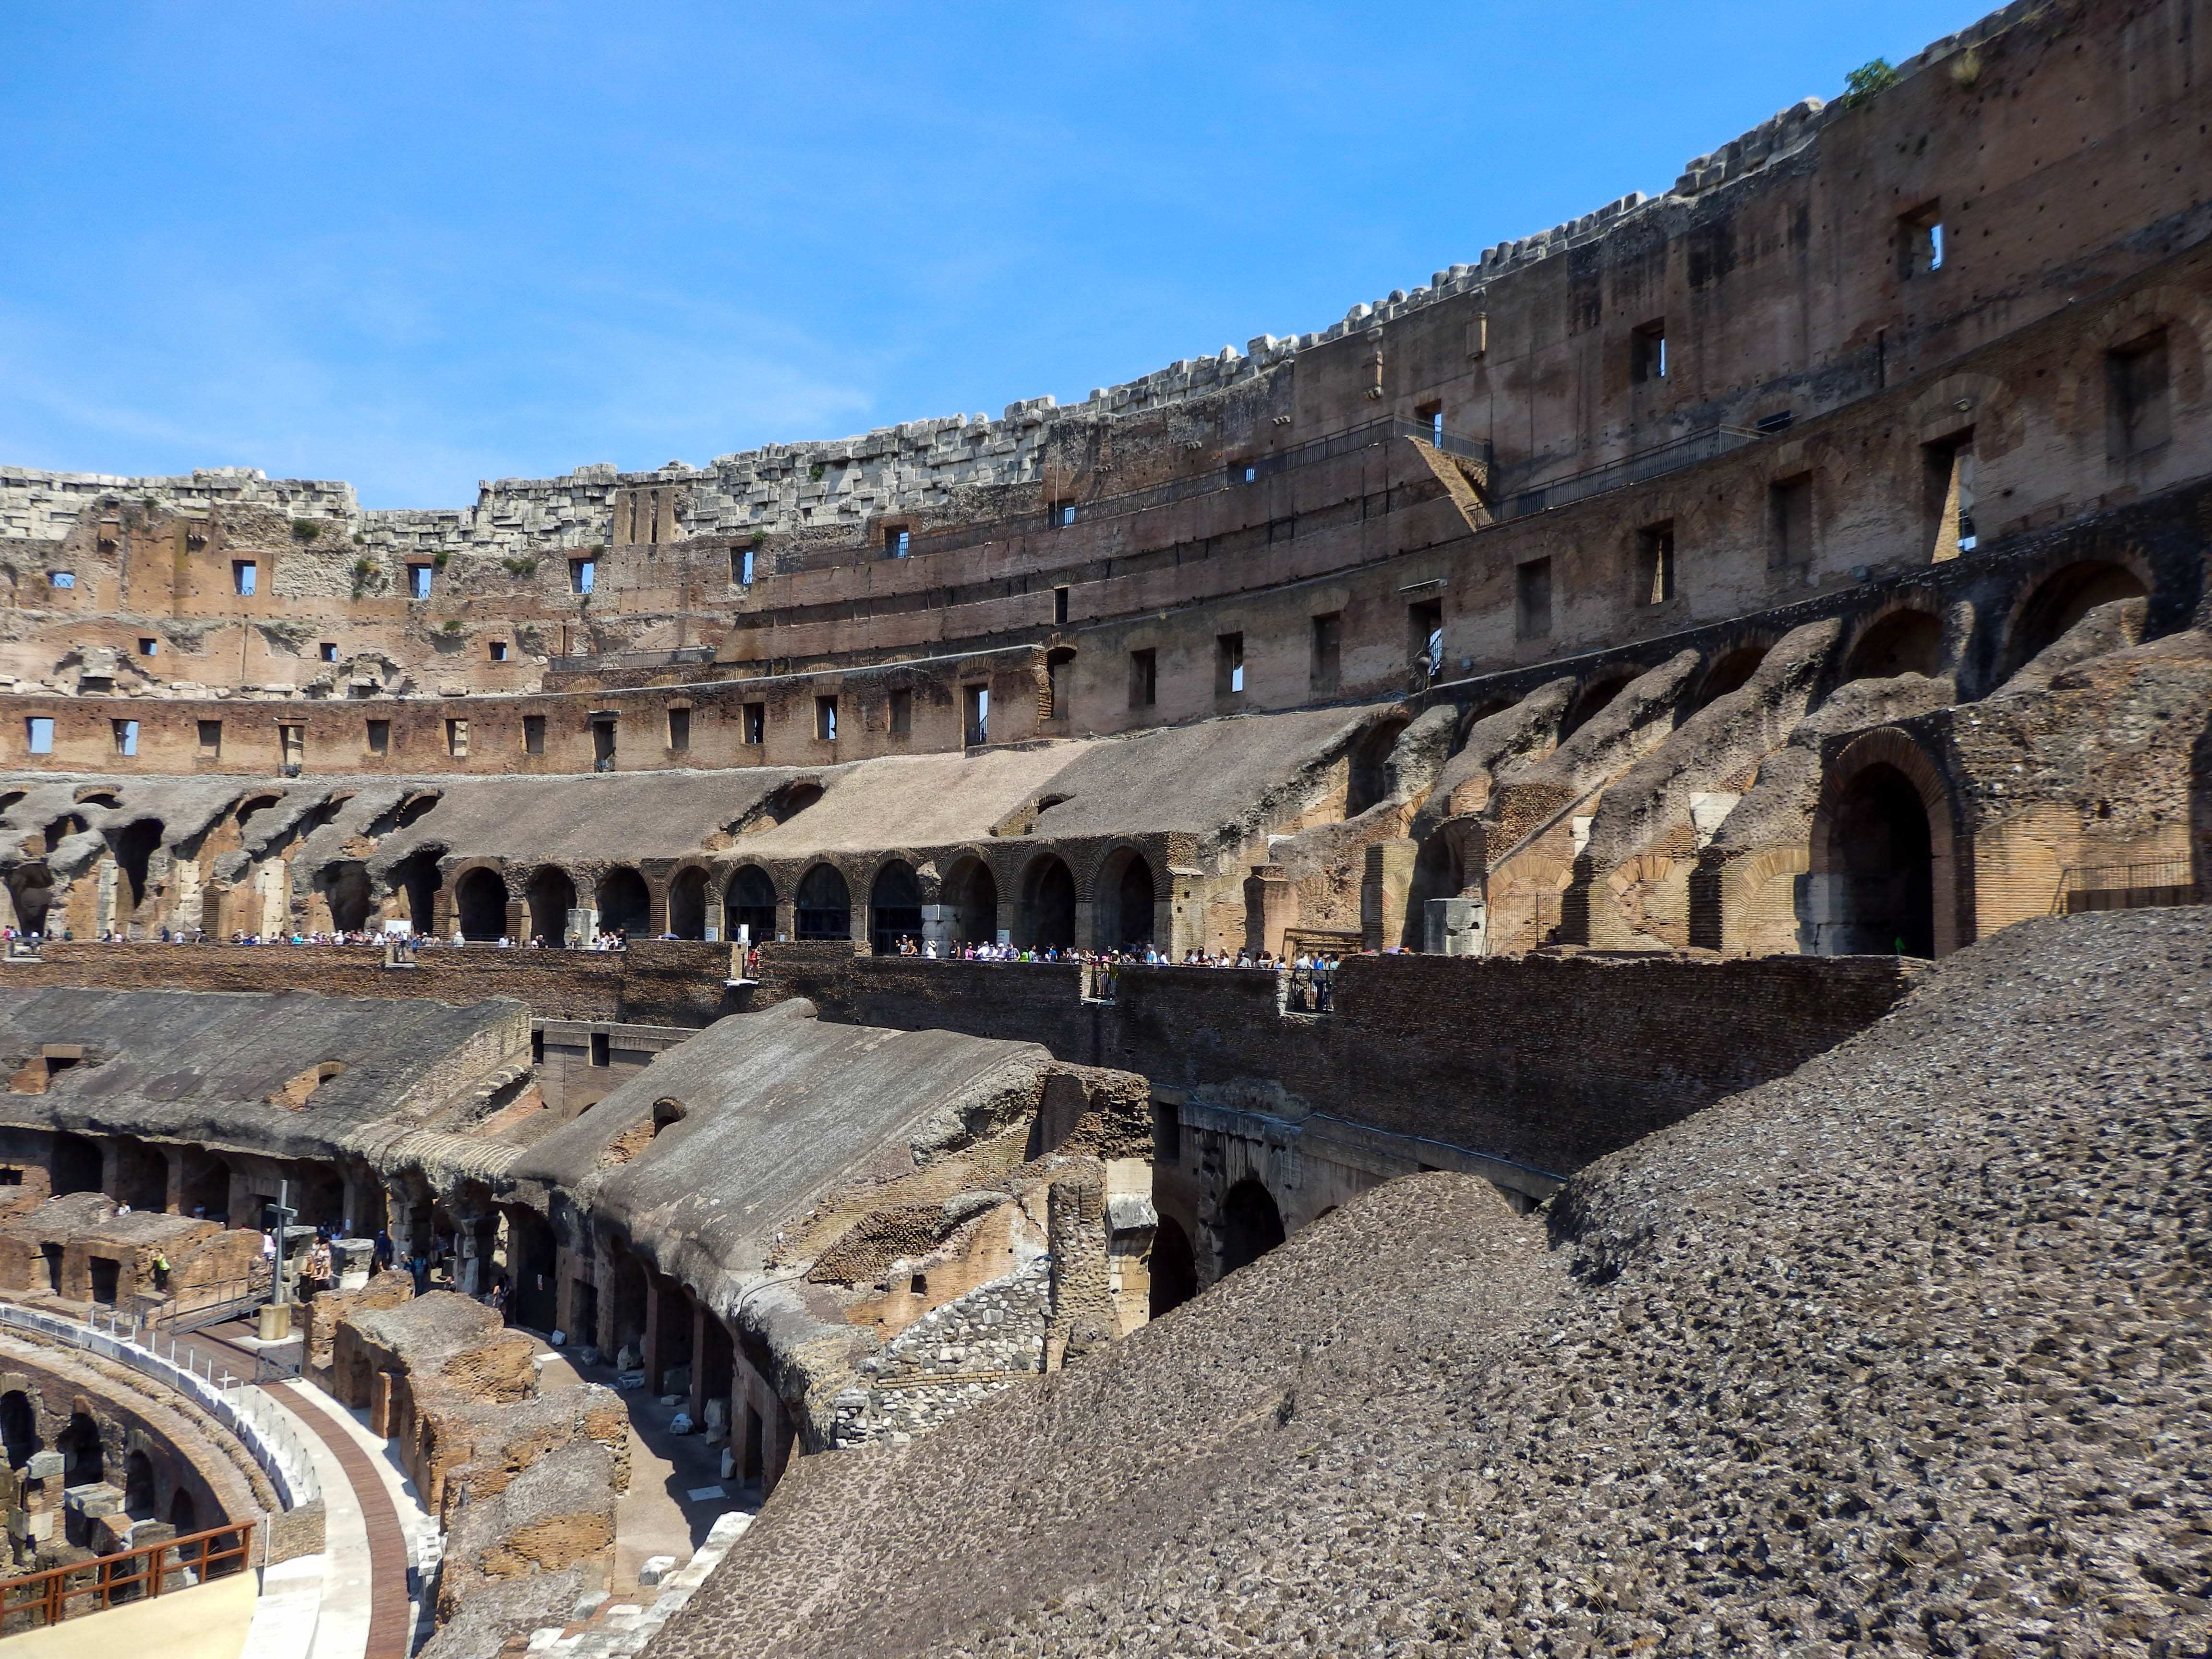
416, 244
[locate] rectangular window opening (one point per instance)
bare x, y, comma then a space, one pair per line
418, 581
1060, 607
1065, 516
602, 1049
603, 744
211, 737
1949, 471
533, 734
1532, 600
328, 650
1647, 352
581, 573
1229, 664
741, 565
149, 647
39, 731
679, 728
756, 722
244, 576
126, 737
902, 711
378, 737
1167, 1132
1920, 241
1425, 637
976, 711
292, 746
1791, 510
1328, 651
1144, 679
498, 650
2139, 415
68, 579
457, 738
1655, 563
1432, 415
825, 719
897, 542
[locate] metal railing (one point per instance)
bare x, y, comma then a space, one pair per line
1655, 462
262, 1426
676, 658
2146, 887
41, 1599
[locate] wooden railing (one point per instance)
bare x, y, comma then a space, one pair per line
41, 1599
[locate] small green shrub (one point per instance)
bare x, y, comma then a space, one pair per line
452, 624
1863, 83
440, 559
305, 530
816, 471
759, 536
519, 566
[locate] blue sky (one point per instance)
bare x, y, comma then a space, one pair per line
414, 245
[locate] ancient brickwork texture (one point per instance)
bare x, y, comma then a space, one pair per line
949, 1359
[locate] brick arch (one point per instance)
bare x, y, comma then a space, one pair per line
2187, 320
537, 888
1949, 871
1105, 883
1903, 602
2035, 582
676, 909
465, 873
1994, 412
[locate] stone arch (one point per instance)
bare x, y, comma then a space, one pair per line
1369, 779
750, 903
31, 886
352, 903
2047, 609
480, 902
970, 893
1044, 914
895, 906
549, 897
1595, 698
183, 1511
687, 901
1729, 672
1992, 411
135, 845
84, 1457
138, 1486
1882, 853
1903, 639
625, 903
823, 903
2079, 407
1251, 1224
1125, 897
1174, 1267
417, 878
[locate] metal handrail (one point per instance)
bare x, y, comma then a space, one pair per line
2143, 886
1639, 468
54, 1594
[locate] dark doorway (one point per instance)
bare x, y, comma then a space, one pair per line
138, 1486
1369, 779
19, 1427
1731, 673
83, 1460
687, 904
895, 907
133, 848
348, 887
1903, 642
1051, 907
825, 904
2063, 599
31, 887
1175, 1270
184, 1513
75, 1166
416, 876
106, 1273
531, 1266
1134, 905
1879, 852
1251, 1225
973, 896
625, 903
750, 904
1595, 700
481, 903
552, 895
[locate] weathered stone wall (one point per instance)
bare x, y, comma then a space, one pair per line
948, 1359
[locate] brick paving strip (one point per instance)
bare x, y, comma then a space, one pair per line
390, 1625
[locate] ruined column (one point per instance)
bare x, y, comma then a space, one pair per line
1271, 907
1081, 1313
1383, 894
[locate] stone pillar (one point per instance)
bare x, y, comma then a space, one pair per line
939, 924
651, 1361
475, 1233
696, 1405
1454, 927
713, 930
1389, 879
787, 919
173, 1202
517, 921
1081, 1314
1271, 907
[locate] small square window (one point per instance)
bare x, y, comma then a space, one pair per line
126, 737
244, 576
581, 573
457, 738
498, 650
679, 728
1920, 241
39, 730
328, 650
418, 581
211, 737
149, 647
380, 736
898, 544
1065, 516
533, 734
68, 579
756, 722
902, 711
825, 719
1251, 474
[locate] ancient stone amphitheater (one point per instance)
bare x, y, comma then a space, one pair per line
1522, 976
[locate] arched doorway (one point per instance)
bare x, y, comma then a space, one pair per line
1047, 910
1174, 1269
1731, 672
2062, 600
1251, 1225
895, 907
625, 905
1903, 642
138, 1486
184, 1512
1371, 766
825, 904
84, 1462
31, 887
687, 904
750, 904
973, 895
1881, 858
552, 895
1130, 926
134, 849
1595, 700
480, 905
347, 886
416, 876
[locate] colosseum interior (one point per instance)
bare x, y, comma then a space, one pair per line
1527, 975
